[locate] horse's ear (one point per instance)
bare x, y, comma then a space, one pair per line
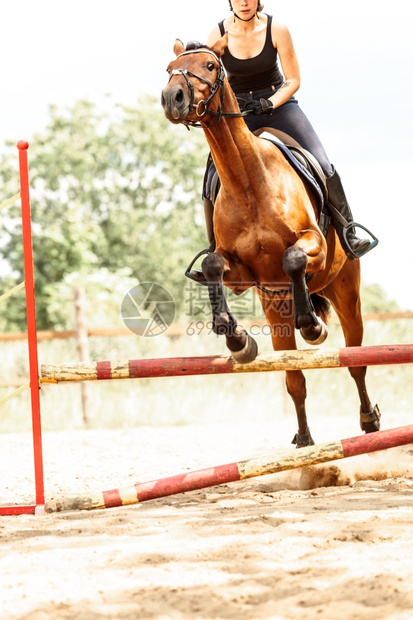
220, 46
178, 47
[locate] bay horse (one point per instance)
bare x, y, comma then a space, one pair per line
266, 232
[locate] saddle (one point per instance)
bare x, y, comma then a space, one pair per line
310, 172
308, 169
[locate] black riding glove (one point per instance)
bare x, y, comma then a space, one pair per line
263, 106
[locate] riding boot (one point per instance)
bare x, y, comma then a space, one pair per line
196, 274
342, 220
209, 221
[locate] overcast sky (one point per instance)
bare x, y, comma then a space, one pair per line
356, 60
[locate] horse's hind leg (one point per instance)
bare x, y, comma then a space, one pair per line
243, 348
344, 295
312, 328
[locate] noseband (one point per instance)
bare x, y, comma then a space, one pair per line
201, 107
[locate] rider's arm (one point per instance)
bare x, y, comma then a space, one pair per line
283, 42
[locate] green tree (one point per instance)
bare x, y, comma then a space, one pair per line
114, 192
375, 299
110, 190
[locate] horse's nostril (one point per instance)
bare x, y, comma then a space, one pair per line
179, 96
163, 100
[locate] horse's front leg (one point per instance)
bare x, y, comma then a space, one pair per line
243, 348
298, 260
279, 317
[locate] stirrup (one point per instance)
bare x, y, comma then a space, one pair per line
196, 274
348, 248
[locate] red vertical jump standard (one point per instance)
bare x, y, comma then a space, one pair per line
38, 508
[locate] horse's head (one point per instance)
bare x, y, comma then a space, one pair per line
195, 76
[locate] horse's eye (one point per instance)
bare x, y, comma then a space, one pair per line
210, 66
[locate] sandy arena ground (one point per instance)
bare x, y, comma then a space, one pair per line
332, 542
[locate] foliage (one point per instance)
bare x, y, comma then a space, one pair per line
116, 199
375, 299
114, 191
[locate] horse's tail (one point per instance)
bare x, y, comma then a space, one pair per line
321, 307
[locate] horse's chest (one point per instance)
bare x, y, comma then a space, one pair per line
261, 253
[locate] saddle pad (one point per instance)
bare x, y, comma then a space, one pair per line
303, 173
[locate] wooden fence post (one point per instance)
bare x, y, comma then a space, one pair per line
82, 344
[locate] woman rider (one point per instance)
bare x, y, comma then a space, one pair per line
255, 42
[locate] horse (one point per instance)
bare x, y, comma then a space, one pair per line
267, 233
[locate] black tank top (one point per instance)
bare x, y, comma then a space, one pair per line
255, 73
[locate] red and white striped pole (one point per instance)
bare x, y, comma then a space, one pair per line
219, 364
242, 470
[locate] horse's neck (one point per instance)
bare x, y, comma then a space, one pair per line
234, 149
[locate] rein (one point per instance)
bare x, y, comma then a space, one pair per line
201, 107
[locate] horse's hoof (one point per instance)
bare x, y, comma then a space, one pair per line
319, 333
248, 353
304, 440
370, 422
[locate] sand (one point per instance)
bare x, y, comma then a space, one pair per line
328, 542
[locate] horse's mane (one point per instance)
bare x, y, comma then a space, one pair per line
195, 45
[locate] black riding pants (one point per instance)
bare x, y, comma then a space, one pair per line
290, 124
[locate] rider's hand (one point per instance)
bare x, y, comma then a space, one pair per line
263, 106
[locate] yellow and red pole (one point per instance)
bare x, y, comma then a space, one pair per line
211, 365
223, 474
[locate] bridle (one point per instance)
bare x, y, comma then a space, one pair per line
201, 107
